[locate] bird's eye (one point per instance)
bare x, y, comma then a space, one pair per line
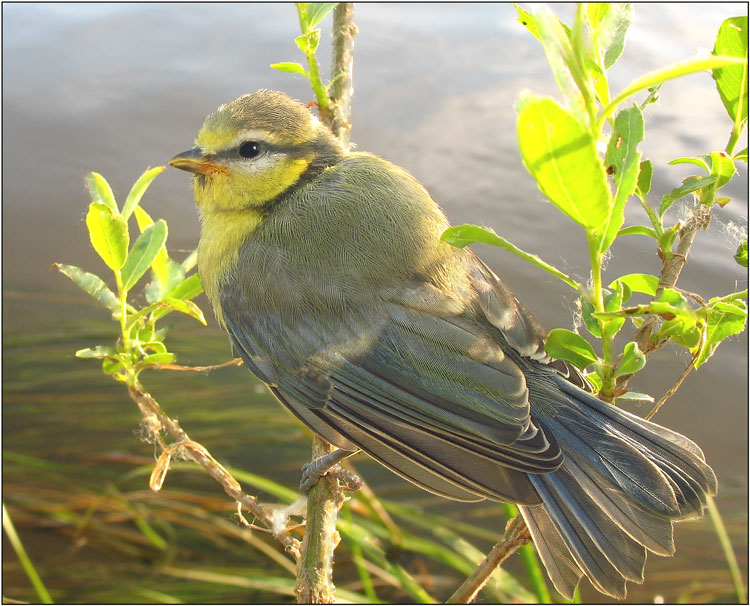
249, 149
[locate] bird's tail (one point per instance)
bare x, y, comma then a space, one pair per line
622, 484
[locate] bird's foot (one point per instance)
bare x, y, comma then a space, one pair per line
328, 465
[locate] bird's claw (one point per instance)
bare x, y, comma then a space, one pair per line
311, 474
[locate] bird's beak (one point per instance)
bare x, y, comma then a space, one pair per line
194, 161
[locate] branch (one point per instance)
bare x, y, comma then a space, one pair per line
670, 272
315, 573
516, 536
157, 421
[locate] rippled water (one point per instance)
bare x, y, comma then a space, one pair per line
119, 87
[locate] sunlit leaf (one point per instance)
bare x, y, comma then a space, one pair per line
724, 319
731, 81
109, 235
623, 159
290, 67
741, 255
144, 252
638, 230
689, 185
316, 11
561, 155
139, 188
644, 283
101, 192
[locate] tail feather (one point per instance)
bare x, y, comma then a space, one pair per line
563, 571
622, 484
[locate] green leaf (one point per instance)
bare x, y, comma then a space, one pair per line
308, 43
644, 177
292, 68
526, 19
741, 255
644, 283
165, 272
610, 22
689, 185
724, 319
722, 167
316, 11
561, 155
187, 289
566, 345
111, 366
463, 235
157, 358
92, 284
562, 59
622, 157
638, 230
139, 188
186, 307
702, 161
636, 396
191, 260
731, 81
632, 360
144, 251
100, 351
101, 192
109, 235
741, 156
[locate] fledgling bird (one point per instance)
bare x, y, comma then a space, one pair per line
327, 270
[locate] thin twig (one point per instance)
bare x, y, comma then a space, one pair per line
516, 536
235, 362
158, 421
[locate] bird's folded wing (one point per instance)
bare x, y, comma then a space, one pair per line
431, 395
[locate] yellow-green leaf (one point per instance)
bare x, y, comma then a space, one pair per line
561, 155
101, 192
109, 235
139, 188
731, 81
92, 284
145, 250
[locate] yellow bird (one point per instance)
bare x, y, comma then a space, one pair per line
327, 270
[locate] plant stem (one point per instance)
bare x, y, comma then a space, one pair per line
315, 573
123, 294
726, 547
516, 535
23, 557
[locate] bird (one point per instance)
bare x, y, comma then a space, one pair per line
327, 271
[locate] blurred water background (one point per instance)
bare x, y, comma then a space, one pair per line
116, 88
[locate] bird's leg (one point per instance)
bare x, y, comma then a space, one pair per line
329, 465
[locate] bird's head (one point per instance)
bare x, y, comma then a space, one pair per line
252, 150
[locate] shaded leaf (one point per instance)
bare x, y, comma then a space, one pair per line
689, 185
645, 173
632, 360
566, 345
100, 351
93, 285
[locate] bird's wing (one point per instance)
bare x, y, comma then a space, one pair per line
420, 381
